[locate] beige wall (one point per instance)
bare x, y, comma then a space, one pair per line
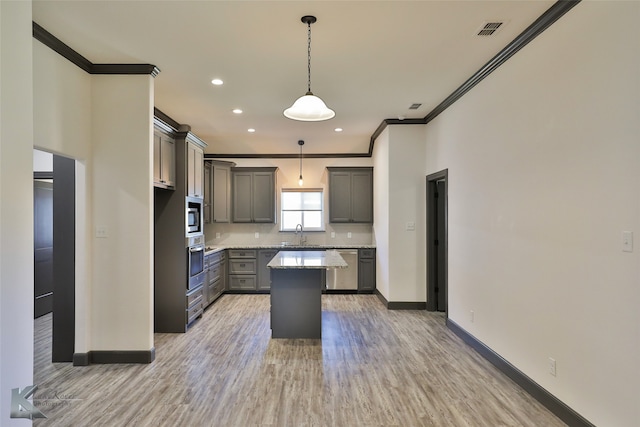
407, 204
16, 204
122, 280
105, 123
381, 212
399, 157
543, 178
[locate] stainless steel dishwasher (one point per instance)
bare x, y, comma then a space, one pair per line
344, 278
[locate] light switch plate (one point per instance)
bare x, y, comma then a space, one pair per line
217, 235
257, 235
333, 234
627, 241
349, 235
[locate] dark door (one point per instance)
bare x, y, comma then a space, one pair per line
440, 220
43, 247
437, 241
64, 264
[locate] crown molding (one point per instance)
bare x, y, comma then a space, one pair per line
55, 44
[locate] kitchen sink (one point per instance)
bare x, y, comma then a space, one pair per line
296, 245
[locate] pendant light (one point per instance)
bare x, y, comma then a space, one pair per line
300, 182
309, 108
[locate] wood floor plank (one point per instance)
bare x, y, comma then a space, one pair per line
373, 367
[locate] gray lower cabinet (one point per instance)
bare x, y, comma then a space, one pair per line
242, 269
195, 304
264, 273
253, 194
215, 265
350, 195
366, 270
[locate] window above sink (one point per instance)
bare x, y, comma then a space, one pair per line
302, 207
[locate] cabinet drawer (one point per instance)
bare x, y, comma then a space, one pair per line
215, 290
214, 272
241, 266
239, 253
194, 298
242, 283
215, 258
194, 312
367, 253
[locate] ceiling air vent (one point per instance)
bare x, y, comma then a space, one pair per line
415, 106
489, 28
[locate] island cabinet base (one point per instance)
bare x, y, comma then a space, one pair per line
296, 305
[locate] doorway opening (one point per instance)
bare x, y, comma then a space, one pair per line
54, 250
437, 235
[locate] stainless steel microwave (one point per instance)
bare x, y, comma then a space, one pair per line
194, 216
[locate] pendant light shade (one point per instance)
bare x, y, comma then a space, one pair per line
309, 108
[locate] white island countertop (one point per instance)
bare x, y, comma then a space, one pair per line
307, 260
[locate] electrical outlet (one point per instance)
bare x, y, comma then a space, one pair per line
333, 234
472, 315
552, 366
102, 231
257, 235
217, 235
349, 235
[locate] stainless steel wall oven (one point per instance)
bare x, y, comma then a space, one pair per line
195, 261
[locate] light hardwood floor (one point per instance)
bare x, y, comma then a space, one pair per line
373, 367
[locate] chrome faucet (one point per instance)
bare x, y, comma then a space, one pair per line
301, 239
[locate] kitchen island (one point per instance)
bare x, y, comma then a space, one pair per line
297, 280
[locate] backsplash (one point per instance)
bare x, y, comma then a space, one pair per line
233, 234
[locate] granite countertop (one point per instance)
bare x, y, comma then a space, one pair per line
307, 260
213, 249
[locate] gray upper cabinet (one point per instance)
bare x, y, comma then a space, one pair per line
208, 193
195, 175
351, 194
164, 160
217, 191
254, 194
221, 204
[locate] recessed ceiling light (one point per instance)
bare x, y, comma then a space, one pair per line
338, 129
237, 111
251, 130
216, 82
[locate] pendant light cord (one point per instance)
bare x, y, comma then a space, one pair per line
300, 143
308, 60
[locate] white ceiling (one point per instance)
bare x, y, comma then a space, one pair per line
370, 60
